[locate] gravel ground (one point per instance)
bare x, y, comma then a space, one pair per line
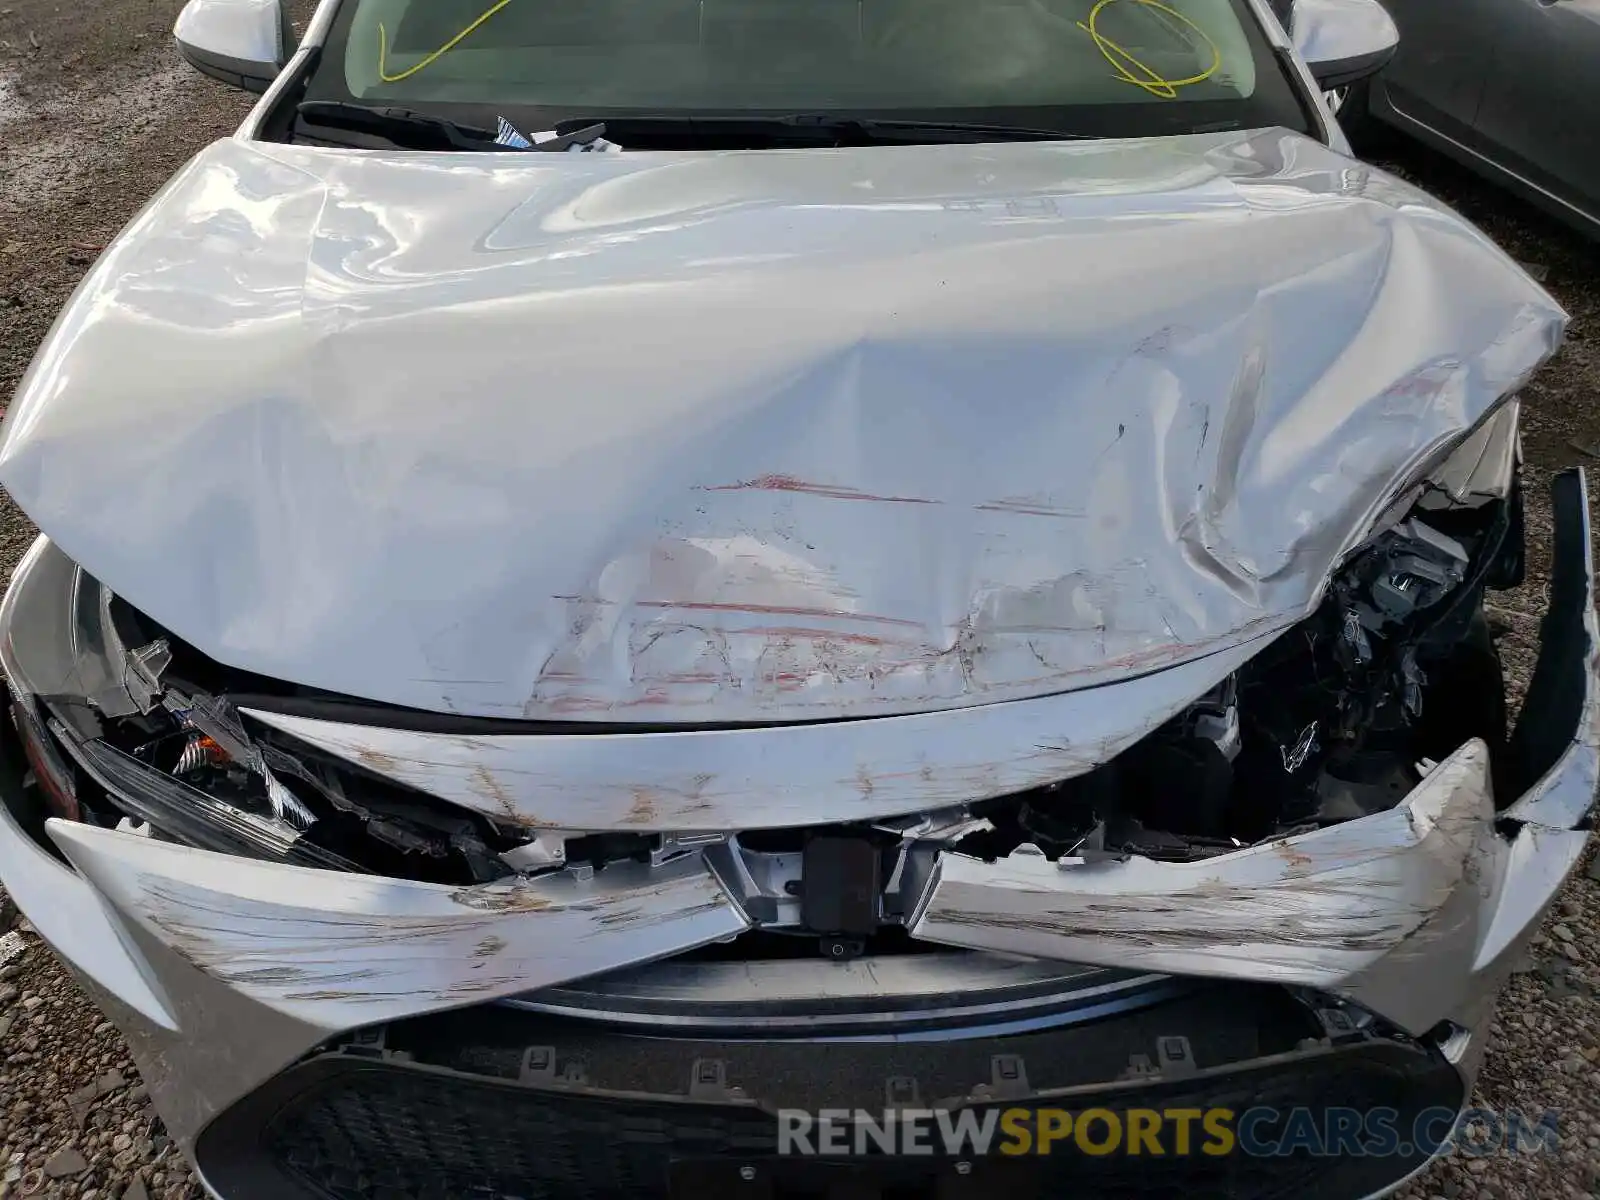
95, 114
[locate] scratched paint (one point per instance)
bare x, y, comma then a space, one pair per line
337, 950
899, 452
1327, 909
719, 780
788, 483
186, 949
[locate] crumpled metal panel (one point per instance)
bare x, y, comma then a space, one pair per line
1484, 464
782, 775
1416, 913
755, 436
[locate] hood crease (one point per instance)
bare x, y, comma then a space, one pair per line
766, 436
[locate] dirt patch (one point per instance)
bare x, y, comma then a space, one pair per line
47, 46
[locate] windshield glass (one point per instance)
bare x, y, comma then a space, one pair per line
1099, 67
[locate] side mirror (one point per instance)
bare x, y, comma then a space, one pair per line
1343, 41
244, 43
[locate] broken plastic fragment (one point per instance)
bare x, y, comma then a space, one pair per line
507, 134
145, 667
286, 806
214, 718
589, 139
135, 674
581, 141
200, 751
1304, 747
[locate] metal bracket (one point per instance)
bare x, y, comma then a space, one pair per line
672, 845
538, 1065
900, 1091
371, 1043
708, 1080
1139, 1067
1008, 1078
1175, 1057
1340, 1026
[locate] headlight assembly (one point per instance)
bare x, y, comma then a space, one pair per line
121, 730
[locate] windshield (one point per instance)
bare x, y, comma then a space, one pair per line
1093, 67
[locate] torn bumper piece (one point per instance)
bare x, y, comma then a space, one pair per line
338, 950
242, 982
189, 949
1393, 903
1415, 913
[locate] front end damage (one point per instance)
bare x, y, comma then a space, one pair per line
361, 952
1010, 628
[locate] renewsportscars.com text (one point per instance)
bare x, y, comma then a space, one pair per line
1215, 1132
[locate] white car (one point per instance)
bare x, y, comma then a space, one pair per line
617, 574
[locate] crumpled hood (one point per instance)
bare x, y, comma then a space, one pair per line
755, 436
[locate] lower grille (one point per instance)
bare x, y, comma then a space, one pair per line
350, 1126
387, 1135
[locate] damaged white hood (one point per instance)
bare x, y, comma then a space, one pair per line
755, 436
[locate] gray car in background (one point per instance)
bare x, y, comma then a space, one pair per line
1505, 87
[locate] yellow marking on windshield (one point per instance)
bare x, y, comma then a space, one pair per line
383, 47
1129, 68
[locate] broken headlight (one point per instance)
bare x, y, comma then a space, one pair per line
127, 726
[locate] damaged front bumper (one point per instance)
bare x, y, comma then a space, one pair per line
1415, 913
1355, 961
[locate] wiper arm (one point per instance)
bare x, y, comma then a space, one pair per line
575, 139
400, 125
408, 127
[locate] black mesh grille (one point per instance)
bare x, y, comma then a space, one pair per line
388, 1136
491, 1103
389, 1132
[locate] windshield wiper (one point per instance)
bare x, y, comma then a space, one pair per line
407, 127
403, 126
